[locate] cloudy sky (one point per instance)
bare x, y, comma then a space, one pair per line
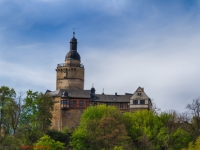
123, 44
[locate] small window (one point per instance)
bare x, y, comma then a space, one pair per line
139, 94
81, 103
135, 102
74, 103
65, 102
121, 105
142, 102
107, 104
69, 114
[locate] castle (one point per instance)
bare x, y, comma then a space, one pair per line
70, 98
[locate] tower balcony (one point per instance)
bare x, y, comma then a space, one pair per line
70, 65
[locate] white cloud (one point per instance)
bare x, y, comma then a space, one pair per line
168, 69
145, 47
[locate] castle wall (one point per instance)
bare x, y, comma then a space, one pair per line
56, 114
70, 117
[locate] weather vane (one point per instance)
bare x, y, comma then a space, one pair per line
73, 32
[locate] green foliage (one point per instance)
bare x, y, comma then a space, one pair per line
7, 101
98, 112
101, 127
37, 111
152, 131
35, 117
63, 136
194, 146
180, 139
117, 148
80, 139
10, 142
142, 127
46, 142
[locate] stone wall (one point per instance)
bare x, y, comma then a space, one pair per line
70, 78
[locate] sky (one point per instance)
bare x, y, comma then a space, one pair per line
123, 44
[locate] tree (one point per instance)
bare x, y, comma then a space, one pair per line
13, 114
7, 97
194, 146
194, 110
35, 117
155, 131
107, 134
37, 111
142, 127
63, 136
46, 142
101, 127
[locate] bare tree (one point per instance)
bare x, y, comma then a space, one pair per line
15, 112
194, 111
155, 109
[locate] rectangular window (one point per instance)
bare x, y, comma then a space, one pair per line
121, 105
74, 103
81, 103
139, 94
135, 102
107, 104
64, 102
142, 102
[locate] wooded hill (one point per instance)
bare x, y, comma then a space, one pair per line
25, 121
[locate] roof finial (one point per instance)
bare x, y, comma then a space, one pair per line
73, 32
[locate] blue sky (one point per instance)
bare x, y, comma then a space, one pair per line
123, 44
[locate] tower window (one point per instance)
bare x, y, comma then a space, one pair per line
135, 102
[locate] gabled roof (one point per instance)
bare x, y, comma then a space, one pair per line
143, 94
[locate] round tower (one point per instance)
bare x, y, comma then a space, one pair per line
70, 75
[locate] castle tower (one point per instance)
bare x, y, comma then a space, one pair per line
70, 75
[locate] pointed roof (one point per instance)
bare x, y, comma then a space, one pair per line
138, 96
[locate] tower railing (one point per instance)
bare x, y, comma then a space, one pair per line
70, 65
